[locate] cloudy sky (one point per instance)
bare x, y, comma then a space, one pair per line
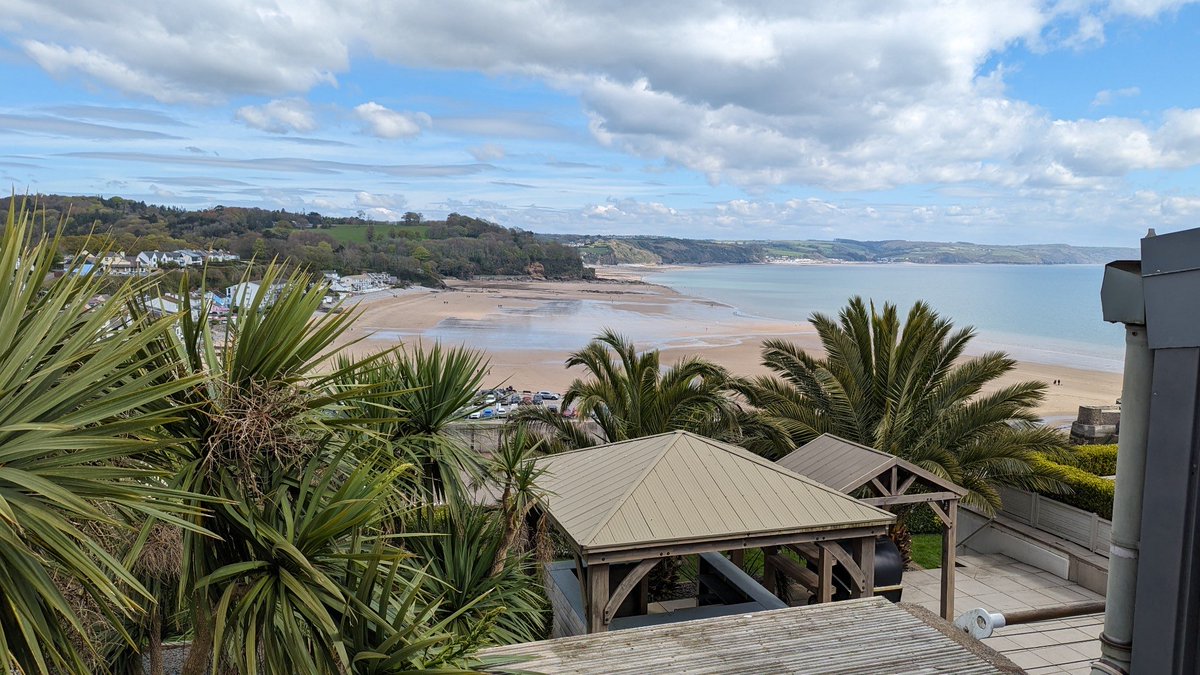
1003, 122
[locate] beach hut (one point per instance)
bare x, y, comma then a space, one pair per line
886, 481
624, 507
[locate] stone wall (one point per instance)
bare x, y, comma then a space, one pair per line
1096, 424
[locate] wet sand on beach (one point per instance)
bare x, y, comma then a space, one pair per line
528, 328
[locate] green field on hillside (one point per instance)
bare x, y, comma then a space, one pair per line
357, 234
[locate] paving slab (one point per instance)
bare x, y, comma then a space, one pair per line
998, 583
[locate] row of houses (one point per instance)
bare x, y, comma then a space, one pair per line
340, 288
148, 261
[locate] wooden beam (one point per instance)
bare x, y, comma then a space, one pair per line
632, 579
738, 557
949, 543
686, 548
912, 478
824, 574
796, 571
909, 499
895, 480
597, 597
942, 515
883, 491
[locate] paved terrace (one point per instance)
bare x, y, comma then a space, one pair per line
999, 583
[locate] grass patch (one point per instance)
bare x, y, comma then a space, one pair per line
927, 550
357, 234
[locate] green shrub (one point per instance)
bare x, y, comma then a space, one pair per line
1098, 460
1088, 491
922, 520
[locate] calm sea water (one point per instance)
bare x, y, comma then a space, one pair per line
1042, 313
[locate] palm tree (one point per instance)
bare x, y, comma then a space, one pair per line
78, 454
419, 392
908, 391
630, 395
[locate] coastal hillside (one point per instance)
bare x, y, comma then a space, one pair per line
930, 252
643, 250
412, 249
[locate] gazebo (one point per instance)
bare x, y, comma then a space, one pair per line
623, 507
885, 481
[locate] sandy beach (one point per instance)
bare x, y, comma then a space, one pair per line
528, 328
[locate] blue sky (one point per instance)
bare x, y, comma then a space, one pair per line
1013, 122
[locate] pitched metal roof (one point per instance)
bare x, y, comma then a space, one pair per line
846, 466
855, 636
680, 487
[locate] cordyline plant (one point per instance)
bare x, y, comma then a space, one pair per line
297, 464
80, 450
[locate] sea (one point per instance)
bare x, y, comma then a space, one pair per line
1040, 313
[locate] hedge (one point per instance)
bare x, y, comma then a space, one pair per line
1098, 460
1088, 491
922, 520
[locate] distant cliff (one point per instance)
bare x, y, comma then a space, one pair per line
930, 252
645, 250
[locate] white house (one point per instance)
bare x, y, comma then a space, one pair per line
245, 292
242, 294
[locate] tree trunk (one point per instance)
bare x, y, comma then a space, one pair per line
200, 653
156, 647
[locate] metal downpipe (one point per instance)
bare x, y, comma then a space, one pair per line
1116, 640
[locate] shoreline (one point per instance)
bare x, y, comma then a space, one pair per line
528, 328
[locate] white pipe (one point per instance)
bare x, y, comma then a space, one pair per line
1116, 642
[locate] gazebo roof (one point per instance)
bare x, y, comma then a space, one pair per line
846, 466
682, 488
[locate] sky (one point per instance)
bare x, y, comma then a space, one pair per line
993, 122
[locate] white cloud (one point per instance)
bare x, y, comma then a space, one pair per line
384, 123
1107, 96
488, 152
279, 116
367, 200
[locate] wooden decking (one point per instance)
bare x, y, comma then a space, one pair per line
869, 635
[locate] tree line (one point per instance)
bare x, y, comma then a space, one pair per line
412, 249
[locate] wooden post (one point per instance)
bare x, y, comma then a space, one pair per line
949, 543
863, 553
867, 565
738, 556
597, 574
824, 574
769, 553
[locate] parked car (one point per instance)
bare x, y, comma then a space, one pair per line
475, 415
552, 407
537, 399
488, 413
526, 399
501, 411
515, 399
489, 399
548, 395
